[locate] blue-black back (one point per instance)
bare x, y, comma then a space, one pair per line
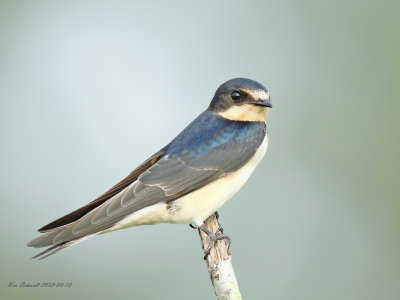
210, 147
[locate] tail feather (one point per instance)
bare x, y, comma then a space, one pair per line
47, 239
53, 248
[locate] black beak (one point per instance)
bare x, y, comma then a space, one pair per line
265, 103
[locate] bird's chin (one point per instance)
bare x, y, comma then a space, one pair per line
262, 112
246, 112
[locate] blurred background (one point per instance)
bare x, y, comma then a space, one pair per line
89, 89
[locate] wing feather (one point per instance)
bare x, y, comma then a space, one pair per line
80, 212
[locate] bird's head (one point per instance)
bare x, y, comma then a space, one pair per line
241, 99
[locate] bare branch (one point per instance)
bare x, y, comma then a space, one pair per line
219, 264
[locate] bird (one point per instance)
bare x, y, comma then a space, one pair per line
186, 181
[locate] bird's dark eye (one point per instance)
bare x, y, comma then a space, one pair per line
236, 95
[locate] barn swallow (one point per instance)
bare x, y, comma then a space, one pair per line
187, 180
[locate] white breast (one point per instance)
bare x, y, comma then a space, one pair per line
198, 205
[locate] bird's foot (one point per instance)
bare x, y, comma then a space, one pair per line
218, 235
193, 225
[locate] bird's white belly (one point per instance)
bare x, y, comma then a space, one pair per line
198, 205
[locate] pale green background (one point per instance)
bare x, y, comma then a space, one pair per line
89, 89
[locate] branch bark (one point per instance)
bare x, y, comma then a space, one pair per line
219, 264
